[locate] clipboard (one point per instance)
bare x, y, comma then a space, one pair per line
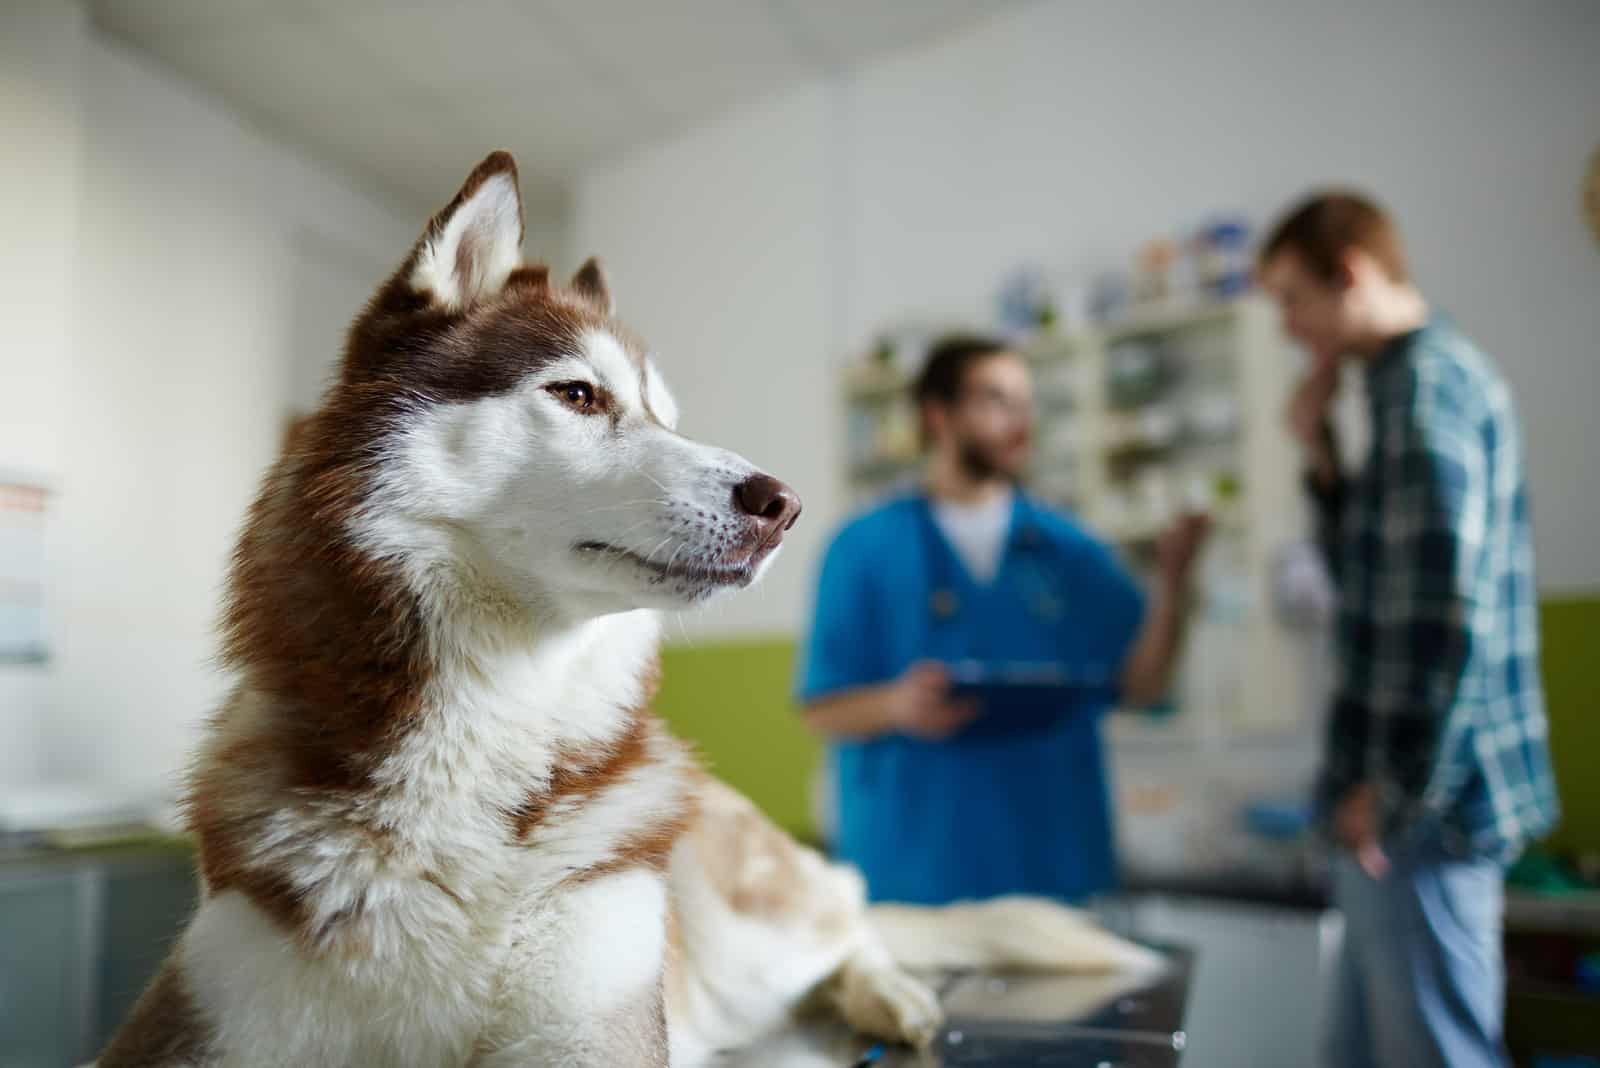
1017, 697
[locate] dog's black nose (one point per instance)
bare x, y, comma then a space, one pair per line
772, 504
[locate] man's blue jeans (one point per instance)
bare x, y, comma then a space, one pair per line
1421, 982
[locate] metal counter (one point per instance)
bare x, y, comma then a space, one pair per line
1114, 1021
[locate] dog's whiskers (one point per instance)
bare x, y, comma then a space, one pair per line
656, 482
641, 502
647, 520
650, 557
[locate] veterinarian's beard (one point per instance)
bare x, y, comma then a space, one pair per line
980, 463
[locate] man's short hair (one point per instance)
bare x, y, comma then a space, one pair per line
1327, 225
944, 372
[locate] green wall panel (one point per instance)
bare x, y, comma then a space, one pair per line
1571, 661
732, 700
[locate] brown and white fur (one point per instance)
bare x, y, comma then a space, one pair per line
437, 824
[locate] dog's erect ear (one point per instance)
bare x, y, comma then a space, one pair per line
476, 241
590, 283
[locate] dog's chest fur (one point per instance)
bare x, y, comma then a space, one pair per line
492, 856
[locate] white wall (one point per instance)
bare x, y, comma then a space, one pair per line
548, 239
714, 250
214, 272
1067, 133
40, 114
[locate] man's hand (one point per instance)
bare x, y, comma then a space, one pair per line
920, 704
1179, 547
1308, 416
1146, 675
1355, 826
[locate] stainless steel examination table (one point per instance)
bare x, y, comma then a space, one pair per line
1001, 1021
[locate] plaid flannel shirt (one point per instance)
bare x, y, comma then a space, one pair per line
1438, 701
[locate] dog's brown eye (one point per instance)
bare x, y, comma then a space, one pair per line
579, 395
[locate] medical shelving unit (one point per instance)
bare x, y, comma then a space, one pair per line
1173, 406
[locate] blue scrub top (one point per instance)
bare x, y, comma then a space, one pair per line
982, 814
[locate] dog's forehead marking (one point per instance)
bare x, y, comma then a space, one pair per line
625, 369
657, 397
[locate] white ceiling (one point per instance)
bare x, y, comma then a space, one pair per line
407, 94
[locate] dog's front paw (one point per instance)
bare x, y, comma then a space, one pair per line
887, 1003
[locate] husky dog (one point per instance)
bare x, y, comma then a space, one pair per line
437, 823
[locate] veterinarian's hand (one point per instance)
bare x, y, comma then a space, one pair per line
1179, 547
920, 703
1308, 414
1355, 825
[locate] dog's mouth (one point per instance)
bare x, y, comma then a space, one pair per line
691, 572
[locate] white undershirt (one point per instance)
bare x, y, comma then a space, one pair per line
977, 532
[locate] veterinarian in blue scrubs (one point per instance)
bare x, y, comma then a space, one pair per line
939, 796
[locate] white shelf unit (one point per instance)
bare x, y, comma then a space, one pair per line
1175, 406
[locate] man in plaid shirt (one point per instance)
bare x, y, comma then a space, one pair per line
1436, 773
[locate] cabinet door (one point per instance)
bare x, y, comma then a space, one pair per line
46, 957
145, 909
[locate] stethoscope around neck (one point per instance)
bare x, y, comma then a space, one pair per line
944, 594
